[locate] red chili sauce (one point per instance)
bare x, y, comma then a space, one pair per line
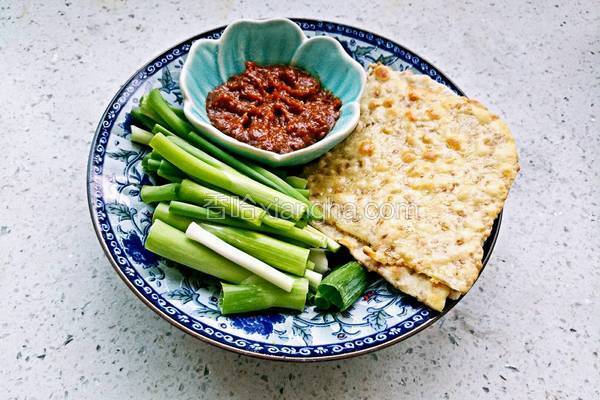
277, 108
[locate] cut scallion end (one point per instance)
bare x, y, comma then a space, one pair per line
255, 295
304, 192
155, 194
296, 182
155, 156
342, 287
319, 258
145, 163
152, 165
162, 212
168, 167
168, 176
252, 264
314, 278
140, 136
170, 172
161, 107
332, 245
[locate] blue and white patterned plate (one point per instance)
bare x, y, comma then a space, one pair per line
188, 299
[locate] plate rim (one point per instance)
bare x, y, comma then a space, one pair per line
272, 357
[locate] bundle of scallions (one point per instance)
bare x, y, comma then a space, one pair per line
235, 220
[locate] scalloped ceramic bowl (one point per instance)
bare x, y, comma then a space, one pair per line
276, 41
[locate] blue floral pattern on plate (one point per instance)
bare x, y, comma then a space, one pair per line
187, 298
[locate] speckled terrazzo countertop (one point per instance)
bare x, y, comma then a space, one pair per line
530, 328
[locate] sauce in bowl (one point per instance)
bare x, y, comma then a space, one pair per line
278, 108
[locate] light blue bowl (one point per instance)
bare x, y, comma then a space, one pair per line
276, 41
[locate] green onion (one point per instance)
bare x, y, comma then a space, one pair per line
279, 254
295, 235
147, 110
304, 192
314, 278
169, 177
167, 166
342, 287
187, 212
198, 213
284, 187
252, 264
158, 128
279, 183
141, 119
154, 194
170, 172
162, 213
302, 222
319, 258
310, 265
280, 173
192, 192
267, 219
235, 163
152, 165
178, 111
195, 212
160, 106
193, 150
162, 111
296, 182
140, 136
145, 162
332, 245
227, 180
196, 152
277, 223
172, 244
155, 156
150, 156
255, 294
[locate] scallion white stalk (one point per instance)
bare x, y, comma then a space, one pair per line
141, 136
314, 278
254, 265
319, 258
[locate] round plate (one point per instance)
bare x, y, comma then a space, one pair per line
188, 299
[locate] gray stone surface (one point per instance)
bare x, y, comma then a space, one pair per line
530, 328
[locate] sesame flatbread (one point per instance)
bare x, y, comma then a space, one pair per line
403, 278
420, 181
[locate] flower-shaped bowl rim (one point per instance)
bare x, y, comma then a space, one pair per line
297, 157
